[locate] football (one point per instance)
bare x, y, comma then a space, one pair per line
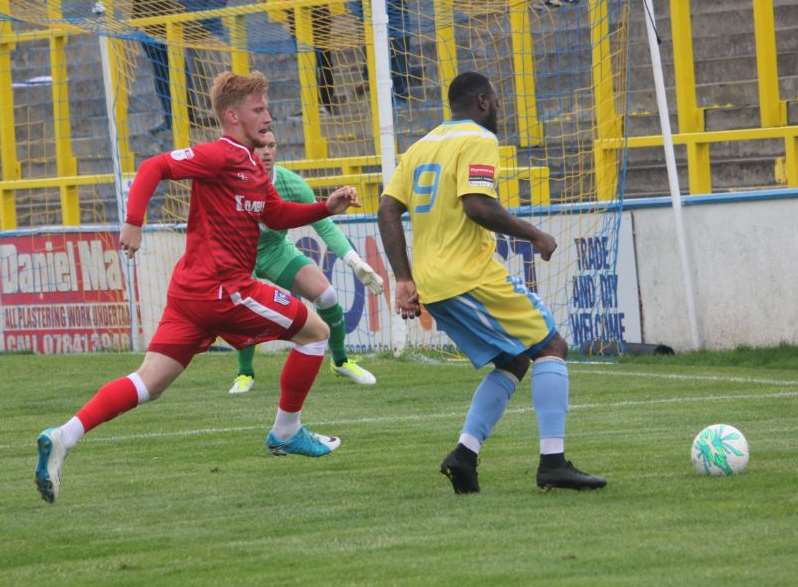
719, 449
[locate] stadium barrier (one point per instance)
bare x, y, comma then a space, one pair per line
562, 74
303, 47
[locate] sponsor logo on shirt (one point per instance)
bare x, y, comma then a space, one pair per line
281, 298
182, 154
481, 175
244, 205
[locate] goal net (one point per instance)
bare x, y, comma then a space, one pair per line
94, 88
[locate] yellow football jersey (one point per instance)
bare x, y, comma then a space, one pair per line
452, 254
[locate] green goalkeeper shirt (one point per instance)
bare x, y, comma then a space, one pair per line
293, 188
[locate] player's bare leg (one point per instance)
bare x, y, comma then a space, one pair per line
288, 435
155, 374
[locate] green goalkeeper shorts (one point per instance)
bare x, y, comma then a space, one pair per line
280, 264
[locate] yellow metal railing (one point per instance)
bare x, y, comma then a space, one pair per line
64, 159
772, 109
691, 116
315, 143
789, 134
530, 129
119, 85
8, 147
445, 48
609, 123
692, 133
350, 172
239, 58
177, 83
350, 168
67, 179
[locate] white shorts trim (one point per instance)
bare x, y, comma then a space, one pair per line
262, 310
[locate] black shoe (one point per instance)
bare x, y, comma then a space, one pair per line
460, 466
566, 476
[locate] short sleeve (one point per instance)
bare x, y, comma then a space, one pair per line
204, 161
398, 186
478, 167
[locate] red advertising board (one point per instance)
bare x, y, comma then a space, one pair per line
63, 293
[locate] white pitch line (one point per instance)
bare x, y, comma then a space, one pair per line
676, 400
445, 415
681, 377
575, 367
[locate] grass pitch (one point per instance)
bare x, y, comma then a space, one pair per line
182, 491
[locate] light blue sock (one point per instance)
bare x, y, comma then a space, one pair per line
487, 406
550, 396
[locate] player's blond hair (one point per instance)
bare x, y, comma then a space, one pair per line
230, 89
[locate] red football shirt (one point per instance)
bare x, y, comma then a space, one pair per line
231, 194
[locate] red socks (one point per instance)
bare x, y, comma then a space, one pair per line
299, 373
112, 399
123, 394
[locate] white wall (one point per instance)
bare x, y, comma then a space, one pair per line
743, 250
159, 252
744, 269
743, 253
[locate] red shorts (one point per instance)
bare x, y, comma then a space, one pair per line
257, 313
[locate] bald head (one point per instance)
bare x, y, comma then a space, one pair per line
471, 95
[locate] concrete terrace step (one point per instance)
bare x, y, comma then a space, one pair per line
736, 93
729, 174
725, 70
769, 148
715, 20
715, 70
731, 118
708, 19
646, 122
720, 46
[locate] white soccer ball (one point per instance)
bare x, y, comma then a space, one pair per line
719, 449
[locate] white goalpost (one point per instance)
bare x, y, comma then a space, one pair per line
673, 176
128, 266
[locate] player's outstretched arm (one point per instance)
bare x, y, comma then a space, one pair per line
490, 214
149, 175
281, 215
201, 161
130, 239
341, 199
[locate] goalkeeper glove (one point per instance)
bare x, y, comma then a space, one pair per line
364, 272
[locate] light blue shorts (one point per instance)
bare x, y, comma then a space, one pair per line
495, 321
